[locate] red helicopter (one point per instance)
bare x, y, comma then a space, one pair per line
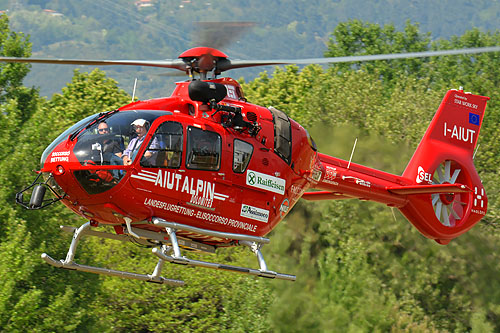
204, 168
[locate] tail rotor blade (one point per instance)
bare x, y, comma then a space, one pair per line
446, 218
440, 175
435, 198
455, 176
439, 206
447, 172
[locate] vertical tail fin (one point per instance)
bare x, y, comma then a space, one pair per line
445, 156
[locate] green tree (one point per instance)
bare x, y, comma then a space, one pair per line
33, 293
358, 38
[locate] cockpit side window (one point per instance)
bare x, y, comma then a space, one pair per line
241, 155
165, 148
282, 135
203, 150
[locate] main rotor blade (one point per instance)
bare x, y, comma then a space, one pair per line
174, 63
332, 60
180, 65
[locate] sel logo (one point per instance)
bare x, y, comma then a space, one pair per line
423, 176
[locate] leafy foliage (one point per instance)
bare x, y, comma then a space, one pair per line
360, 266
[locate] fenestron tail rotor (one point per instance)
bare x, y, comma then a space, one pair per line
448, 207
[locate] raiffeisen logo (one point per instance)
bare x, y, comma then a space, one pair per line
266, 182
254, 213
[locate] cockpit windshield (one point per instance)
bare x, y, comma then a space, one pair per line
109, 139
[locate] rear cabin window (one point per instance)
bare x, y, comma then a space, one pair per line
165, 148
241, 155
282, 135
203, 151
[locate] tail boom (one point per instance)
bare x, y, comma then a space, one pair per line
343, 180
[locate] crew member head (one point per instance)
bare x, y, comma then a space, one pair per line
103, 128
140, 127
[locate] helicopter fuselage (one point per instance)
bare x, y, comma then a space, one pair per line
209, 160
242, 181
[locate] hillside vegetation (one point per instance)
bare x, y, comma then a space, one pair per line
119, 29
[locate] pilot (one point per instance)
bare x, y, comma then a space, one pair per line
111, 151
109, 146
141, 127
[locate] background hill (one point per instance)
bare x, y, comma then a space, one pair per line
159, 29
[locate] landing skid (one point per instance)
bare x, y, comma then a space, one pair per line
167, 249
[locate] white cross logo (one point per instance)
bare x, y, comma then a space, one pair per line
478, 199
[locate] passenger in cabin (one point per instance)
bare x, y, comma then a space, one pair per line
203, 149
141, 127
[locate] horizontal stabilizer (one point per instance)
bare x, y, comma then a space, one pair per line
429, 189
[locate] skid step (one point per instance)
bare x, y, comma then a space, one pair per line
243, 270
69, 263
254, 243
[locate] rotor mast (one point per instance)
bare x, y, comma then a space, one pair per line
205, 60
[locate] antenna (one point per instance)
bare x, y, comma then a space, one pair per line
477, 148
352, 153
393, 215
133, 93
